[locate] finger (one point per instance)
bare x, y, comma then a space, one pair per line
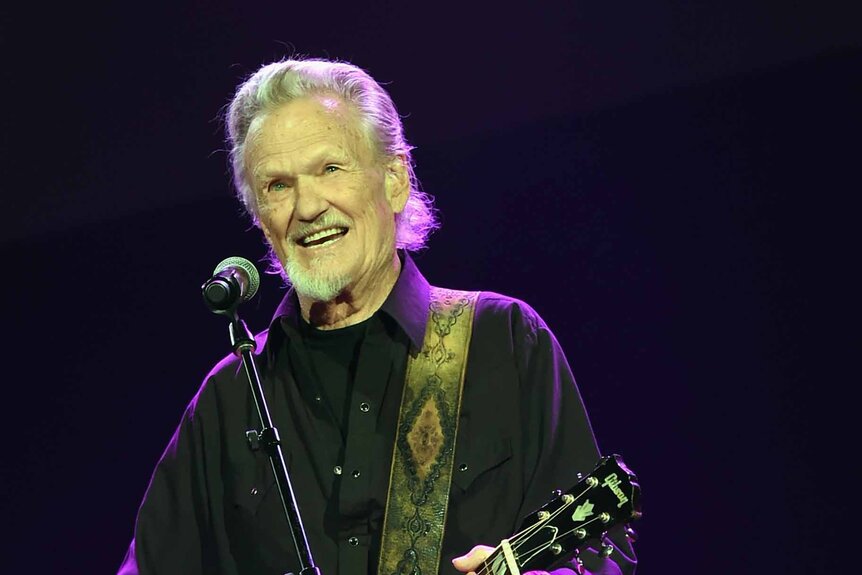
467, 563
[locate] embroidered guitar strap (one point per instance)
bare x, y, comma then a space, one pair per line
424, 450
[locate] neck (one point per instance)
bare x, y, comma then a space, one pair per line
355, 304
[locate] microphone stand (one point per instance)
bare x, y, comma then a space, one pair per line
242, 342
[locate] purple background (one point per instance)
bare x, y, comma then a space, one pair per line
673, 186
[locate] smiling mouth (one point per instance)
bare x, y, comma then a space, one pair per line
322, 237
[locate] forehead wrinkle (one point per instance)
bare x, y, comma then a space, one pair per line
287, 146
312, 155
305, 150
332, 122
335, 110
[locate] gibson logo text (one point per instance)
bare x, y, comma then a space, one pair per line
613, 484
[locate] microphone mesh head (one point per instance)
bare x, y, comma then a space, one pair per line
247, 267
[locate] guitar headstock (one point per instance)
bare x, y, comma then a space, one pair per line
607, 497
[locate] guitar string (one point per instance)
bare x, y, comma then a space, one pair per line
568, 532
520, 538
524, 535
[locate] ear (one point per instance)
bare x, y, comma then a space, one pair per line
397, 183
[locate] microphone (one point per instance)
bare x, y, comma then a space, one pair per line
233, 281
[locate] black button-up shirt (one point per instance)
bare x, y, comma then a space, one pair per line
212, 505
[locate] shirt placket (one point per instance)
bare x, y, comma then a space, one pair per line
359, 466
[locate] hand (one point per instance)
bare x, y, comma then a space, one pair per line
472, 560
469, 562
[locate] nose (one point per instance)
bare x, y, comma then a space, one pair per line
310, 201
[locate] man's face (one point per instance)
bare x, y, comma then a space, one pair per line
327, 202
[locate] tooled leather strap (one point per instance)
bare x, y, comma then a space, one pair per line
424, 451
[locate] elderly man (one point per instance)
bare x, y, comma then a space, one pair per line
321, 163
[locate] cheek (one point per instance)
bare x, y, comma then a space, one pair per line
380, 223
272, 234
266, 226
274, 221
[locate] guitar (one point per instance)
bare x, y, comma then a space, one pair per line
608, 496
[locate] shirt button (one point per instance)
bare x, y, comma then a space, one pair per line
353, 541
337, 470
254, 491
364, 407
462, 467
356, 473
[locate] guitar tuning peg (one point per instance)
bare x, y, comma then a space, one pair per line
631, 534
606, 550
607, 547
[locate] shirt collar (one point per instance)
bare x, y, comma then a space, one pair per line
408, 301
407, 304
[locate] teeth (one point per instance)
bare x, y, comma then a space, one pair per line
320, 235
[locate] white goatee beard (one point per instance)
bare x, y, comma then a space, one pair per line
316, 284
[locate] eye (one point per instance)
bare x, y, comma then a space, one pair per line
331, 169
277, 186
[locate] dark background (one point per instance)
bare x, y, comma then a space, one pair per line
672, 185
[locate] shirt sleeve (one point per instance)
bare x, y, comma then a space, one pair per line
174, 531
557, 434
